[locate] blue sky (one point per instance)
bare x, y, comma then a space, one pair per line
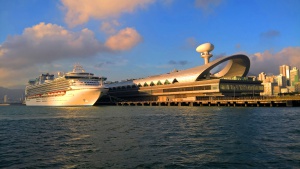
133, 38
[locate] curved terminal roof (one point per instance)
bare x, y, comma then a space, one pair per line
238, 65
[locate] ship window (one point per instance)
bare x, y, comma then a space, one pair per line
80, 77
152, 84
174, 81
159, 83
139, 85
187, 89
145, 84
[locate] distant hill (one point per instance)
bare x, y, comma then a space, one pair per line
13, 95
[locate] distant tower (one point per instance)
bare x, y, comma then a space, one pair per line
5, 99
205, 50
285, 71
294, 76
281, 80
262, 76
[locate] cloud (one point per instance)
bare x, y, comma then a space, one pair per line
189, 43
109, 27
125, 39
42, 44
103, 64
172, 62
207, 6
169, 65
181, 63
45, 43
14, 77
269, 62
80, 11
270, 34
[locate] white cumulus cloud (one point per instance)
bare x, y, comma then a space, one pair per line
41, 44
269, 62
80, 11
109, 27
21, 55
125, 39
45, 43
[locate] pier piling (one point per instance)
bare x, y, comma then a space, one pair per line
269, 102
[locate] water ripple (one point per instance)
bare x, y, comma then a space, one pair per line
149, 137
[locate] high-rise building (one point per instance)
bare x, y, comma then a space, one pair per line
282, 69
5, 99
271, 78
297, 87
268, 89
262, 76
281, 80
294, 76
285, 71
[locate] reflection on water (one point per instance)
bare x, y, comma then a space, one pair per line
149, 137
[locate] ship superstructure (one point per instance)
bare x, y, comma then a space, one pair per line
76, 88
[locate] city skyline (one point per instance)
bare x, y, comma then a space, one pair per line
133, 39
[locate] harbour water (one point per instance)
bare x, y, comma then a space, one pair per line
149, 137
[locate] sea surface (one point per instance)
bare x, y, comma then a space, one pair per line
149, 137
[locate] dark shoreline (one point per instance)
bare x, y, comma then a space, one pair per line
238, 102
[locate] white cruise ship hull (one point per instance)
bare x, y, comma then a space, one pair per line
80, 97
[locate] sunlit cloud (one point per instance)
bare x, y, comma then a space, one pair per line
109, 27
16, 78
270, 62
125, 39
81, 11
22, 55
45, 43
207, 6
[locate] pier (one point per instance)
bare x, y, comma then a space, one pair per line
239, 102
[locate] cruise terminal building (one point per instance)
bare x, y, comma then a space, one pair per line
192, 84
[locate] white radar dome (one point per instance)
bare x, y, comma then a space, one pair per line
206, 47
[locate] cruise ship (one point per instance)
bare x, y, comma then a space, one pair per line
76, 88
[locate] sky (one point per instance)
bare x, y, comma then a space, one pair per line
139, 38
